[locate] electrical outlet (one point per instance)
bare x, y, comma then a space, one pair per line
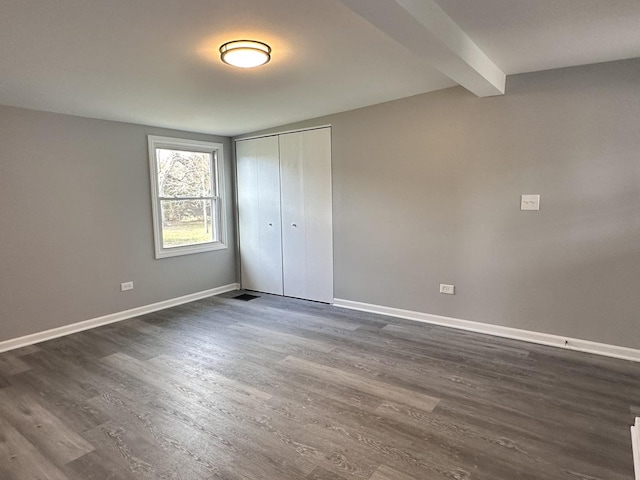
447, 289
126, 286
530, 202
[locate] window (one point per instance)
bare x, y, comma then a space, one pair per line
186, 186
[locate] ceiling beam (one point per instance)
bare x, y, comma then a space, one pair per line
423, 27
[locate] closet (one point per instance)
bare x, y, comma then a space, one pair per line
284, 214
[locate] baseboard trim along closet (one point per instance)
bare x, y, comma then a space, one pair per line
587, 346
19, 342
635, 443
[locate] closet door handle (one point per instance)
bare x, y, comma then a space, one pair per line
270, 224
294, 224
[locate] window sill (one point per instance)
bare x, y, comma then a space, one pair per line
189, 250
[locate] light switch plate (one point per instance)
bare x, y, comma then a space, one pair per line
530, 202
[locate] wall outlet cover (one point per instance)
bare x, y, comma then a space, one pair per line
447, 289
530, 202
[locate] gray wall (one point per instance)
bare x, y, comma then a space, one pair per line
427, 191
75, 221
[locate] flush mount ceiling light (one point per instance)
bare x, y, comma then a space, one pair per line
245, 53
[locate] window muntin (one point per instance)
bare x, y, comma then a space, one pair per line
186, 182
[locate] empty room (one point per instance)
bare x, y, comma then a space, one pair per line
320, 240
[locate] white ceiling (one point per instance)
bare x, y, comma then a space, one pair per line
155, 62
531, 35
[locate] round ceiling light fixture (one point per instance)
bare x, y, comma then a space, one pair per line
245, 53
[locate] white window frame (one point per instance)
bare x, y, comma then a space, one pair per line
217, 179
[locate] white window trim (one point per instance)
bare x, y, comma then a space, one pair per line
217, 152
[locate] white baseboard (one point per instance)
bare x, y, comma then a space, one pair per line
111, 318
635, 442
498, 331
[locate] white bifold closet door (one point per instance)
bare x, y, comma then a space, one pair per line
284, 208
258, 167
307, 237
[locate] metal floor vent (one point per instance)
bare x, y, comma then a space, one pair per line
246, 297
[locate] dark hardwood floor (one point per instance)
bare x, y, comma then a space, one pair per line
279, 389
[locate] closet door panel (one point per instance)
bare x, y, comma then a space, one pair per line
259, 214
318, 208
307, 237
294, 253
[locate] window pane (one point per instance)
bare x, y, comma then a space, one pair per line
183, 174
187, 222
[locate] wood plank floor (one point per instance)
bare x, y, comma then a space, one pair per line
279, 389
